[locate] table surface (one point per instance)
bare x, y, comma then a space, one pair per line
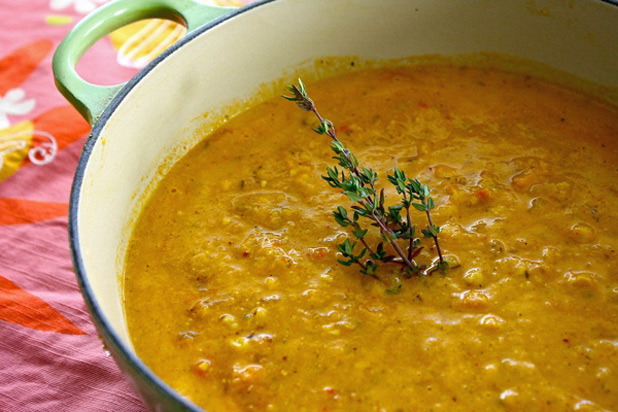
51, 358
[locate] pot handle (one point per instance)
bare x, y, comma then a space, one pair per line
90, 99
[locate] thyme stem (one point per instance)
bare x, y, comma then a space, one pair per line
359, 187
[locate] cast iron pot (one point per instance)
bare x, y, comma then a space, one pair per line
145, 124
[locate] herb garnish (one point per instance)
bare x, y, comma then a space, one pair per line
359, 185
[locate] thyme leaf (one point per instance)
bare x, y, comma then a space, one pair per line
358, 184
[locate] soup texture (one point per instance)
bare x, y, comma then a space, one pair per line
235, 298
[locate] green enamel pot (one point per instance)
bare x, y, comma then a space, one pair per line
145, 124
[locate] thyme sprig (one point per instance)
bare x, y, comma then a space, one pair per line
359, 185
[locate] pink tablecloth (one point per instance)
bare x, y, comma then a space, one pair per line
50, 356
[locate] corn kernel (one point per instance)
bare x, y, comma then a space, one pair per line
257, 315
473, 299
582, 232
348, 324
452, 261
492, 322
246, 373
240, 342
201, 367
525, 180
260, 312
509, 398
271, 282
474, 277
585, 281
229, 321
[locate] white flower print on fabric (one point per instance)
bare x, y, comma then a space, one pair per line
13, 102
43, 146
80, 6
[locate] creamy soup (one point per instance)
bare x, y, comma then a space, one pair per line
235, 298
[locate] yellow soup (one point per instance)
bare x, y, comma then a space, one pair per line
233, 291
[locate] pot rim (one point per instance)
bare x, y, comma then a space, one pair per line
106, 331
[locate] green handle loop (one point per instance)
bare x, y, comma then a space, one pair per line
90, 99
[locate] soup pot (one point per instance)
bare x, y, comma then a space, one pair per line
139, 128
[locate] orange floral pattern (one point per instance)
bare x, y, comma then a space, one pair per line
21, 211
22, 308
17, 66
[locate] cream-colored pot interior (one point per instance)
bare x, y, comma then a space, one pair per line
157, 119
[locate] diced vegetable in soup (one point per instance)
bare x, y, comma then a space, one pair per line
234, 293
